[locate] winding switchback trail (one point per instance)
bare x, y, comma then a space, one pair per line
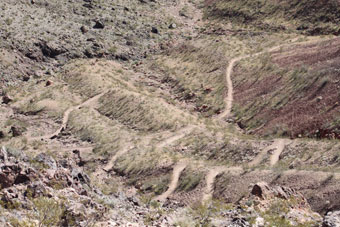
66, 118
228, 100
178, 168
277, 146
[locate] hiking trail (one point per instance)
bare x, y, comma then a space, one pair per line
177, 170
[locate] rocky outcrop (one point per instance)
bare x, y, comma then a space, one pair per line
274, 203
265, 192
332, 219
24, 182
59, 189
50, 49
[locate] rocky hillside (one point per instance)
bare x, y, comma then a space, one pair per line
45, 34
44, 192
169, 113
309, 17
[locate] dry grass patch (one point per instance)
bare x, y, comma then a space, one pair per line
109, 136
141, 113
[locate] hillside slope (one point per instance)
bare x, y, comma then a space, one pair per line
310, 17
292, 92
169, 113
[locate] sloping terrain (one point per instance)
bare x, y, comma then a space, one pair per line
169, 113
310, 17
309, 104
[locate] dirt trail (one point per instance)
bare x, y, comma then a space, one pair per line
110, 164
238, 170
278, 145
274, 158
178, 168
177, 135
66, 118
229, 98
211, 176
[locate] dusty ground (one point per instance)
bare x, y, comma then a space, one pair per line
176, 111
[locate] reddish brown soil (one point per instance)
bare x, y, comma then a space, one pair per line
310, 111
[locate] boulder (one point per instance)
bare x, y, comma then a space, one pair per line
8, 175
26, 78
6, 99
11, 174
51, 49
16, 131
99, 25
84, 29
154, 30
262, 190
46, 160
294, 205
332, 219
49, 83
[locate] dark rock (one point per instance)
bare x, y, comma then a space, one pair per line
261, 190
22, 178
49, 72
99, 25
11, 174
51, 49
122, 56
26, 78
129, 43
80, 176
49, 83
134, 200
154, 30
6, 99
8, 175
89, 6
2, 135
84, 29
16, 131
